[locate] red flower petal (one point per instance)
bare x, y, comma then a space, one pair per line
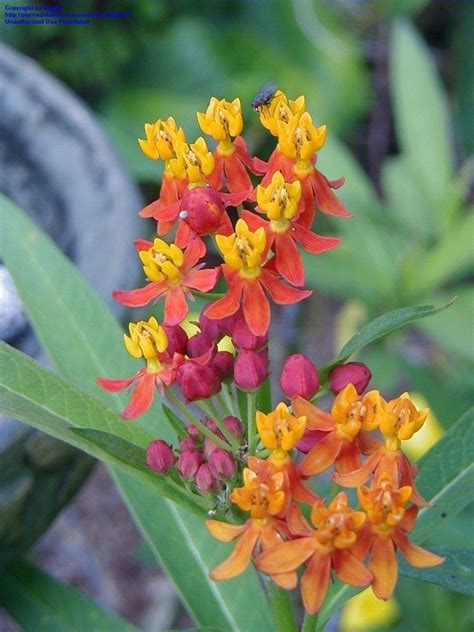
414, 554
237, 178
349, 569
312, 242
141, 296
289, 262
256, 308
184, 235
112, 385
228, 304
176, 307
327, 201
299, 492
150, 209
315, 580
143, 244
383, 566
215, 179
239, 559
322, 455
348, 459
142, 397
202, 280
286, 557
359, 476
195, 250
167, 213
281, 293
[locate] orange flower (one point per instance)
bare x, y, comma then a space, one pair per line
244, 253
399, 420
351, 415
172, 274
265, 496
388, 522
325, 547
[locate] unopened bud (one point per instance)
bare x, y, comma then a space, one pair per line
205, 480
198, 345
234, 425
177, 339
299, 377
210, 327
356, 373
159, 456
186, 444
188, 464
197, 381
244, 339
251, 369
221, 463
205, 210
223, 363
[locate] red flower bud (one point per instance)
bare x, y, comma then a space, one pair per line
204, 208
205, 481
221, 463
159, 456
186, 444
210, 327
177, 339
209, 446
198, 345
188, 464
223, 363
356, 373
234, 425
299, 377
193, 431
251, 369
197, 381
243, 338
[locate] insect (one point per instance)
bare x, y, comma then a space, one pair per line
264, 96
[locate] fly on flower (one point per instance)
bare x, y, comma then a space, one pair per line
264, 96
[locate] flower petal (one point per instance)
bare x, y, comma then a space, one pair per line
316, 419
312, 242
176, 307
359, 476
237, 178
348, 459
228, 304
299, 492
167, 213
315, 580
224, 531
196, 250
406, 478
141, 296
150, 209
289, 262
256, 308
297, 523
287, 556
349, 569
281, 293
142, 397
383, 566
239, 559
112, 385
327, 201
202, 280
322, 455
414, 554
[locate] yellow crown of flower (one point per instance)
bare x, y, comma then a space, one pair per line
192, 161
161, 137
351, 412
279, 199
336, 524
222, 119
243, 250
401, 419
263, 494
147, 338
299, 138
280, 429
384, 505
281, 109
162, 261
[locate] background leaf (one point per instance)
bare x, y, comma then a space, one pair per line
455, 573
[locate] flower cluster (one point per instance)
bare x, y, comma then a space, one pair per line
258, 465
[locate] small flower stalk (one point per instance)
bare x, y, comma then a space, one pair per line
256, 464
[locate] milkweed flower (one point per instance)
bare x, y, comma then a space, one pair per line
264, 496
399, 420
147, 340
172, 274
244, 253
280, 201
325, 547
280, 109
223, 121
345, 427
388, 522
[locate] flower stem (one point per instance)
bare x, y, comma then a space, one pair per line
209, 408
223, 403
281, 607
228, 396
251, 425
204, 429
310, 622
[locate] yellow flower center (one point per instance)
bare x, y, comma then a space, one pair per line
262, 494
192, 161
280, 201
146, 339
222, 119
401, 420
161, 137
299, 138
280, 430
162, 262
243, 250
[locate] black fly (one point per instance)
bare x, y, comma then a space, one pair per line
264, 96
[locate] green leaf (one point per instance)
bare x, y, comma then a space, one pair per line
421, 116
446, 477
174, 421
84, 340
381, 326
40, 603
455, 573
336, 597
32, 394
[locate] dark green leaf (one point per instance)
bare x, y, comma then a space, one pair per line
41, 603
455, 573
174, 421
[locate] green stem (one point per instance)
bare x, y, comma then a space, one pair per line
223, 403
310, 622
209, 408
281, 607
227, 393
208, 295
321, 393
251, 424
204, 429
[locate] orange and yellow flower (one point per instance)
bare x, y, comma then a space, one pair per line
244, 254
326, 546
388, 522
173, 274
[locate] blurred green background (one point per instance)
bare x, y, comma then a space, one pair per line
394, 82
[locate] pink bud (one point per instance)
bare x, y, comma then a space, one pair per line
198, 345
177, 339
193, 431
299, 377
210, 327
234, 425
188, 464
205, 209
209, 446
159, 456
223, 363
205, 481
356, 373
197, 381
243, 338
221, 463
251, 369
186, 444
227, 324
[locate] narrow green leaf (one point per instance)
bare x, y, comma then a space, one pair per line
41, 603
174, 421
421, 116
336, 597
381, 326
455, 573
446, 477
84, 341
